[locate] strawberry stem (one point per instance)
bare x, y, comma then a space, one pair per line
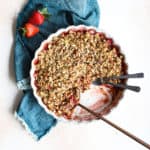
24, 31
44, 12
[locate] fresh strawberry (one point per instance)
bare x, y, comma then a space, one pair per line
30, 30
38, 17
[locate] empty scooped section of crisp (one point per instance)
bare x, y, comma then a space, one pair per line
97, 98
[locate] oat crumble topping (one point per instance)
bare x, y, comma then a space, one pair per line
68, 65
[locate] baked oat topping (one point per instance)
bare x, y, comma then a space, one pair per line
68, 65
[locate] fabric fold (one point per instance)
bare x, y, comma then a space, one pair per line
63, 13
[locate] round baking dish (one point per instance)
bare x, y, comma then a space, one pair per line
92, 30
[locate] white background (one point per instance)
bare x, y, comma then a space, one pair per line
128, 22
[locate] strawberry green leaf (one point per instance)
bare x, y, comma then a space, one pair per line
24, 31
45, 13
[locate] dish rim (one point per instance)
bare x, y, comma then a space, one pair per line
45, 42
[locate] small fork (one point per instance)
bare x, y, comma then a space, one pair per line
105, 80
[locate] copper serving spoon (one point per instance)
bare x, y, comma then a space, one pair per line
138, 140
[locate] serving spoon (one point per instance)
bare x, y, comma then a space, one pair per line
138, 140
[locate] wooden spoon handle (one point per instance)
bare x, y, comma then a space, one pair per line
135, 138
138, 140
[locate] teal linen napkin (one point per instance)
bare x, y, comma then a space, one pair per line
63, 13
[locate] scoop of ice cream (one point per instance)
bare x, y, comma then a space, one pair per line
97, 98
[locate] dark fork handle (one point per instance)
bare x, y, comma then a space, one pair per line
135, 75
124, 86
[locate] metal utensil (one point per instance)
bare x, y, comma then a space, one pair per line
105, 80
135, 75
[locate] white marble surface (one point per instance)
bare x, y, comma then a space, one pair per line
129, 23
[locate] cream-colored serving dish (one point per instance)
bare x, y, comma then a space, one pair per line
101, 103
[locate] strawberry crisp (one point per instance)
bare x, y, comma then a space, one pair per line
66, 67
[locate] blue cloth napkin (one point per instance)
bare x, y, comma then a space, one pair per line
63, 13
